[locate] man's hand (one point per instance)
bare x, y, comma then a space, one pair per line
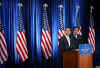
76, 49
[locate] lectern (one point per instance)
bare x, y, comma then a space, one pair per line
69, 59
81, 58
85, 56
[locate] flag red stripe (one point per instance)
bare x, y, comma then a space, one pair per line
20, 49
1, 61
20, 57
23, 35
2, 36
48, 40
44, 36
44, 44
60, 34
23, 43
91, 38
2, 58
91, 42
92, 34
48, 36
44, 52
4, 49
45, 40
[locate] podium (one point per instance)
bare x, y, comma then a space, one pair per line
69, 60
85, 56
73, 59
85, 61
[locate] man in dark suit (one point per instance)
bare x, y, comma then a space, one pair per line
77, 38
67, 49
67, 42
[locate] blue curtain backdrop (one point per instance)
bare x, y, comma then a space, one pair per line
32, 10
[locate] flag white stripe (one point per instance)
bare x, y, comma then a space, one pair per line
92, 34
21, 47
61, 33
3, 38
1, 61
4, 49
48, 35
91, 42
46, 46
49, 46
24, 36
19, 52
91, 38
48, 52
44, 51
3, 56
22, 41
92, 31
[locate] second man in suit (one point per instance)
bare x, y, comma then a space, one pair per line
77, 37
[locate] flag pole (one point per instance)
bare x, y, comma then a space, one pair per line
0, 4
91, 8
45, 5
78, 6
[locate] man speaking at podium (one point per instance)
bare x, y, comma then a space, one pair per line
66, 42
67, 47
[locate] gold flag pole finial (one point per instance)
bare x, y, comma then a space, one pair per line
20, 4
0, 4
45, 5
60, 6
91, 8
78, 6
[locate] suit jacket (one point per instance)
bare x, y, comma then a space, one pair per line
77, 41
64, 44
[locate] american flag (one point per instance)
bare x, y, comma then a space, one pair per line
21, 44
78, 24
46, 44
3, 45
91, 38
60, 20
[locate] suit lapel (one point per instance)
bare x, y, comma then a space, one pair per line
66, 42
71, 41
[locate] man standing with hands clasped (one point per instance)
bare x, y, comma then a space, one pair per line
77, 37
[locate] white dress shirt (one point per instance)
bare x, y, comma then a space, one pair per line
68, 39
76, 36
